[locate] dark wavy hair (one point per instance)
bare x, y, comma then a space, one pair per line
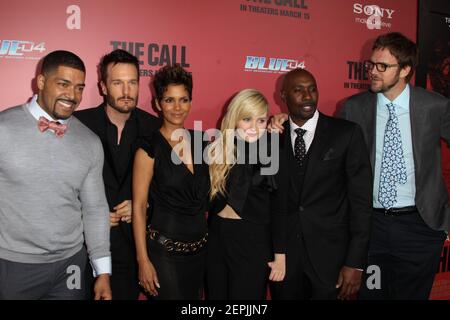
402, 48
171, 75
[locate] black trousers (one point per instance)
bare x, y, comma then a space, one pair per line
124, 279
181, 276
301, 281
238, 253
407, 253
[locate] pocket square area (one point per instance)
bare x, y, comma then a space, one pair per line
329, 155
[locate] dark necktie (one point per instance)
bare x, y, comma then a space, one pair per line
300, 146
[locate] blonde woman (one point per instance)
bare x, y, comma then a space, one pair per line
245, 246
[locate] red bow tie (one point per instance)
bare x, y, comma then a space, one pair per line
58, 128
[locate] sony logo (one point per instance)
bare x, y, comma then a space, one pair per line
372, 9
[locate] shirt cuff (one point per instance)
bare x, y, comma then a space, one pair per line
101, 265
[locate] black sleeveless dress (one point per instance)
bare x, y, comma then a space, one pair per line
178, 201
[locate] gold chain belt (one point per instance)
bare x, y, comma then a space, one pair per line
176, 246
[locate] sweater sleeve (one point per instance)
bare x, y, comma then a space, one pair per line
95, 208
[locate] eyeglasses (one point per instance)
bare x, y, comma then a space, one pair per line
381, 66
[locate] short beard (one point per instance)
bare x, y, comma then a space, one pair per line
384, 89
60, 117
112, 103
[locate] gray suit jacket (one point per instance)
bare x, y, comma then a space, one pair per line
430, 121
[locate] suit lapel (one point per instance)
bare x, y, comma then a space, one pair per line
316, 150
417, 117
370, 114
286, 145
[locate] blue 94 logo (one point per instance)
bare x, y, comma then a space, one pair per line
19, 47
272, 64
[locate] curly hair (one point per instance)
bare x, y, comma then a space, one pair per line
171, 75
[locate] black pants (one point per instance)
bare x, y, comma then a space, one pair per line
124, 279
181, 276
60, 280
407, 253
301, 281
238, 253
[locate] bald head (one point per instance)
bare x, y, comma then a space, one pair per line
299, 72
300, 94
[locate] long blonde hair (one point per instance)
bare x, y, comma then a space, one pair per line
222, 152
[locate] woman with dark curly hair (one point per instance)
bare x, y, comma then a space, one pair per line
170, 243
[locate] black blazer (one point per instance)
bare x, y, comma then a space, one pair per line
430, 122
117, 190
256, 196
334, 207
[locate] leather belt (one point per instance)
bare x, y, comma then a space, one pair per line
396, 211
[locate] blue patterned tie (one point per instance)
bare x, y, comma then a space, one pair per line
393, 168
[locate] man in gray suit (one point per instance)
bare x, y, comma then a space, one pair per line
403, 126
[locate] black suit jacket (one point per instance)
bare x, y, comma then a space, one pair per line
117, 190
430, 121
334, 208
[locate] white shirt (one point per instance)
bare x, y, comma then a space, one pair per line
37, 111
310, 127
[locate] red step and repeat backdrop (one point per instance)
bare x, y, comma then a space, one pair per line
228, 45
